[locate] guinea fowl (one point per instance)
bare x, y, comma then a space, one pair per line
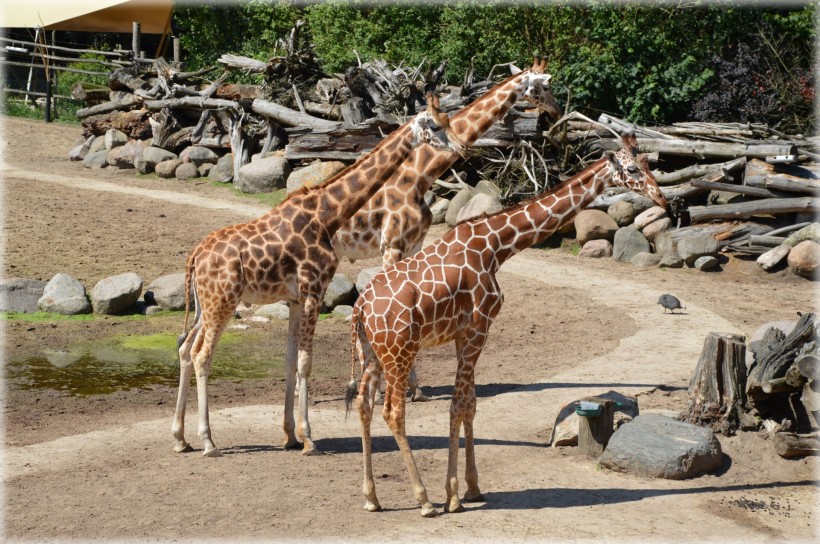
670, 302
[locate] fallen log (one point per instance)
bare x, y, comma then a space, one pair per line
769, 206
766, 240
703, 149
780, 177
731, 187
287, 116
134, 124
127, 103
191, 102
789, 445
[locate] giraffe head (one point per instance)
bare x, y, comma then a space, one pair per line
538, 91
631, 170
434, 128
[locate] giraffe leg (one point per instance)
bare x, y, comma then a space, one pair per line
307, 327
366, 401
473, 493
291, 352
202, 354
416, 394
186, 370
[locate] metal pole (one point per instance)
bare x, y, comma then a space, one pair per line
135, 39
31, 70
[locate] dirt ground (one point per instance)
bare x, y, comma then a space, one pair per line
102, 466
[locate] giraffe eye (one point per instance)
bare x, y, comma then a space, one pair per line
632, 169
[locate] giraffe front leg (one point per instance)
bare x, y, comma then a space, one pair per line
451, 485
473, 493
186, 369
291, 353
307, 327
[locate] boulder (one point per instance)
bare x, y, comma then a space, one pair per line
641, 204
653, 229
629, 242
142, 166
155, 155
278, 310
312, 174
20, 295
655, 446
263, 176
565, 428
622, 212
480, 203
114, 138
344, 311
95, 160
648, 216
693, 247
458, 201
114, 294
167, 169
665, 244
707, 262
205, 169
199, 155
671, 260
97, 145
809, 232
364, 277
64, 294
340, 290
439, 210
186, 171
644, 259
804, 258
223, 169
594, 225
79, 152
596, 249
167, 292
488, 188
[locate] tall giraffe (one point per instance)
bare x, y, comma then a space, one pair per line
448, 291
394, 222
285, 255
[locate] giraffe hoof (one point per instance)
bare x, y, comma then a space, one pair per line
419, 397
290, 443
372, 507
311, 451
216, 452
183, 448
478, 497
455, 509
428, 511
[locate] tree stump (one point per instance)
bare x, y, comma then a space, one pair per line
594, 432
717, 389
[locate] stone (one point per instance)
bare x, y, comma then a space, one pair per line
340, 290
95, 160
186, 171
156, 155
364, 277
223, 169
596, 249
458, 201
97, 145
653, 229
665, 244
809, 232
645, 259
79, 152
648, 216
641, 204
167, 169
344, 311
114, 138
804, 258
655, 446
707, 262
142, 166
488, 188
313, 174
594, 225
622, 212
565, 428
278, 310
199, 155
628, 242
114, 294
20, 295
439, 210
479, 204
263, 176
671, 260
127, 154
167, 292
65, 295
698, 245
205, 169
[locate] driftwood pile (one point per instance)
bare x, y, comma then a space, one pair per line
777, 387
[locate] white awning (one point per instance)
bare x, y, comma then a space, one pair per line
154, 16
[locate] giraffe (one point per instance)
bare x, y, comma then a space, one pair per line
284, 255
448, 292
394, 222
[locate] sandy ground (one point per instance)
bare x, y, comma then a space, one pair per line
102, 466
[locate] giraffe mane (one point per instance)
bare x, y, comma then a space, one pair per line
487, 96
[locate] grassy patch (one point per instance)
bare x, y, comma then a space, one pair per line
269, 199
44, 316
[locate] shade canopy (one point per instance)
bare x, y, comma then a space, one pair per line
154, 16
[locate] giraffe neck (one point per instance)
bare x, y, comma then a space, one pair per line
533, 221
342, 196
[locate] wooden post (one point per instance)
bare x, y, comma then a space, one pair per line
176, 52
135, 40
594, 432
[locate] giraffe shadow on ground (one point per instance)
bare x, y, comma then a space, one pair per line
384, 444
493, 389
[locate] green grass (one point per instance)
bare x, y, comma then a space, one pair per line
37, 317
271, 199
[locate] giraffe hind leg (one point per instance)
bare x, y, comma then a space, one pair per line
185, 342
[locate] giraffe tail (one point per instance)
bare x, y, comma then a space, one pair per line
189, 274
355, 332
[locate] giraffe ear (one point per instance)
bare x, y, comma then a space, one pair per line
514, 69
609, 155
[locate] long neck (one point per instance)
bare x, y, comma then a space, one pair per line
535, 220
343, 195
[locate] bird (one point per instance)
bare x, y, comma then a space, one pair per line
670, 302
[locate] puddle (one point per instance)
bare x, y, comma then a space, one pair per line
135, 362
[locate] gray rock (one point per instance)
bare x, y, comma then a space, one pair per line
364, 277
156, 155
707, 262
462, 197
488, 188
278, 310
698, 245
565, 428
594, 225
653, 229
809, 232
648, 216
97, 159
263, 176
79, 152
142, 166
97, 145
596, 249
645, 259
671, 260
629, 242
439, 210
114, 138
655, 446
641, 204
64, 294
20, 295
804, 258
186, 171
167, 169
116, 293
205, 169
665, 244
313, 174
481, 203
622, 212
344, 311
223, 169
199, 155
127, 154
167, 292
340, 290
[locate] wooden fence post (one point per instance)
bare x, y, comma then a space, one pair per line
135, 40
594, 431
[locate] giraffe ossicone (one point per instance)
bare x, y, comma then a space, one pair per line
448, 292
284, 255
